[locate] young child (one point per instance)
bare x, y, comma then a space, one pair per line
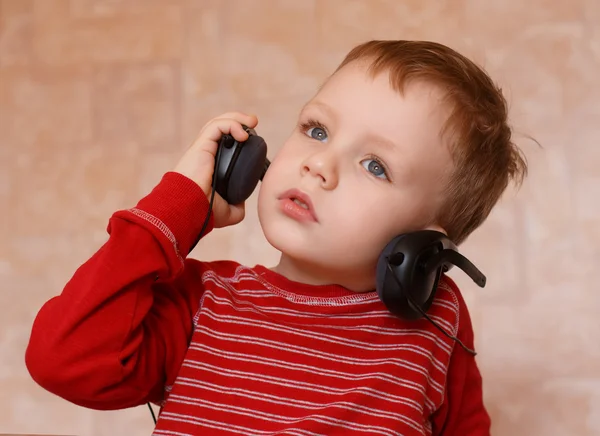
403, 136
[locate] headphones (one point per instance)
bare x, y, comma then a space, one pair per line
410, 266
240, 166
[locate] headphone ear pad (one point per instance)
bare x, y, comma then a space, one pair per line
247, 170
388, 289
408, 254
382, 270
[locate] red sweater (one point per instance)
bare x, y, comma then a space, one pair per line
228, 349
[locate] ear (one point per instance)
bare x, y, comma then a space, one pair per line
437, 228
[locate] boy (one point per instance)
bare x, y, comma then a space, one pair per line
403, 136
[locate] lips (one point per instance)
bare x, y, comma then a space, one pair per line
302, 201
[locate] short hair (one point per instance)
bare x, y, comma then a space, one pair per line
485, 157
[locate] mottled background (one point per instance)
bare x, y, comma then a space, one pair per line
99, 97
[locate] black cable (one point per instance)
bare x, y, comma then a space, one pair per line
210, 206
427, 317
152, 413
212, 193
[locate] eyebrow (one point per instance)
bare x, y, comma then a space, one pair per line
382, 142
321, 106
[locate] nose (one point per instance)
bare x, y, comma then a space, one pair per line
323, 166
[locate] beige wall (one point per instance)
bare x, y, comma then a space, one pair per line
99, 97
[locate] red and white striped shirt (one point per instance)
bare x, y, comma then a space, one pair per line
227, 349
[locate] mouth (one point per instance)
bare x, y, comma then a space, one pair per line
298, 205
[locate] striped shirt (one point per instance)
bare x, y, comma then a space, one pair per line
227, 349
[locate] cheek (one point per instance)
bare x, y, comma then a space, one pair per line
365, 220
357, 243
380, 218
283, 167
278, 176
293, 150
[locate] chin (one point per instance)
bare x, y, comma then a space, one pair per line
281, 236
327, 265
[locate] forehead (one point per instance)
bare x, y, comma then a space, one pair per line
370, 101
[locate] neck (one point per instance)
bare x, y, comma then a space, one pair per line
312, 274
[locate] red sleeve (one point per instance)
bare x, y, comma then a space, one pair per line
117, 334
463, 412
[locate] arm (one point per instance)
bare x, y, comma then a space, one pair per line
119, 331
463, 412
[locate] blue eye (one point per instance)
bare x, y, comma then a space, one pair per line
317, 133
375, 167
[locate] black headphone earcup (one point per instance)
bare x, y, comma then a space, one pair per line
405, 254
390, 292
247, 170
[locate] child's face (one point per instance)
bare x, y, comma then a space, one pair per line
373, 164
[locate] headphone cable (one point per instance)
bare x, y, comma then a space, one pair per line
212, 197
206, 220
152, 413
427, 317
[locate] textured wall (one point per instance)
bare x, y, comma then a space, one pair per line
99, 97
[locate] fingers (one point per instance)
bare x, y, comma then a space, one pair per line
242, 118
226, 214
198, 162
236, 213
229, 123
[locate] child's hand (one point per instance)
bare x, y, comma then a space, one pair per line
198, 162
